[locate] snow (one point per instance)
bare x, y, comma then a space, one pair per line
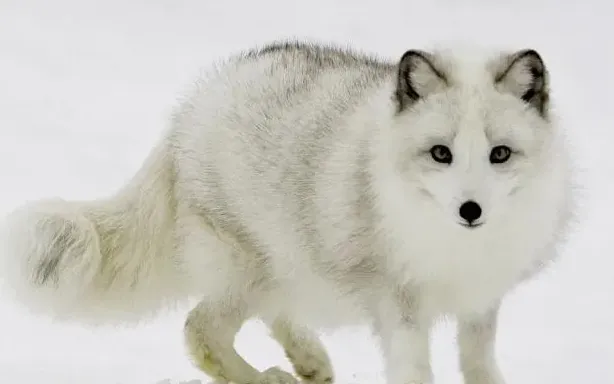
85, 88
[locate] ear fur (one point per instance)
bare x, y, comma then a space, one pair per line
524, 75
417, 77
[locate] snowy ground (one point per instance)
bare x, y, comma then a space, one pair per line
85, 88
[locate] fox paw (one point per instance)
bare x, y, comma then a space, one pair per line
483, 377
313, 367
275, 375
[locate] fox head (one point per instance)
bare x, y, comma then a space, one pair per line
470, 133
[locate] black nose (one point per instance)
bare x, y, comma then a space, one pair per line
470, 211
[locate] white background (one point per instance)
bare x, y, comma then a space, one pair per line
86, 88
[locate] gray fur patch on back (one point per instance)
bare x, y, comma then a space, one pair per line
278, 139
322, 55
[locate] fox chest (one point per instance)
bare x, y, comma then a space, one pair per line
471, 279
476, 290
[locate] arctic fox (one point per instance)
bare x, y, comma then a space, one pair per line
313, 187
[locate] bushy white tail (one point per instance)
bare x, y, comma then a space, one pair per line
111, 259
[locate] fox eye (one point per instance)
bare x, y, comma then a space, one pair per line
500, 154
441, 154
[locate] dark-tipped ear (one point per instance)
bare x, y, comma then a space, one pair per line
417, 77
524, 75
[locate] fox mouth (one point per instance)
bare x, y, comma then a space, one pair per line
471, 225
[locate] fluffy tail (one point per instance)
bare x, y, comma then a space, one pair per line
102, 260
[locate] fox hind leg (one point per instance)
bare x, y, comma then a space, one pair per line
304, 350
209, 333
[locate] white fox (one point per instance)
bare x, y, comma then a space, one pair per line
311, 186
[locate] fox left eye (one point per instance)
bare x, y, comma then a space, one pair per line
441, 154
500, 154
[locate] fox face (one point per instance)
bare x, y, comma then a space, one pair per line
475, 134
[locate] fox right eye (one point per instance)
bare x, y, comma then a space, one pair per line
441, 154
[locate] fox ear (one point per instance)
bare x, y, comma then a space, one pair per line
417, 77
524, 75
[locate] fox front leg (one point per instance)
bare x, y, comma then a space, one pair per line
404, 335
476, 341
